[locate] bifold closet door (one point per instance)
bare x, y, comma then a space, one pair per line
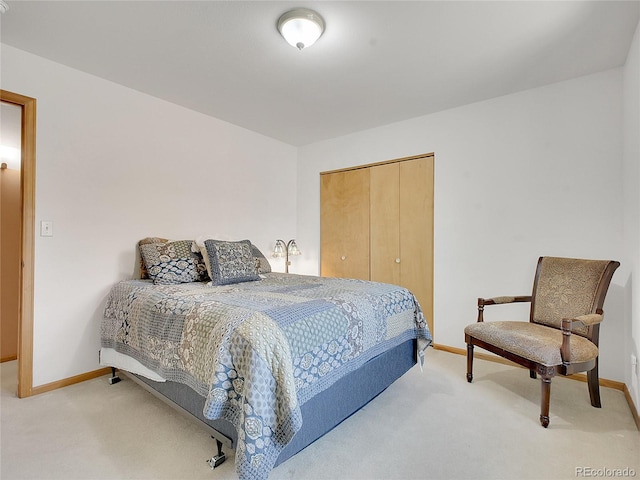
376, 223
402, 227
344, 224
385, 223
416, 231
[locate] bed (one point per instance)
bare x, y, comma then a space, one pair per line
268, 361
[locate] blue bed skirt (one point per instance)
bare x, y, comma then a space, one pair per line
321, 413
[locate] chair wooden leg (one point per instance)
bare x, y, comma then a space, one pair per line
469, 362
594, 386
544, 401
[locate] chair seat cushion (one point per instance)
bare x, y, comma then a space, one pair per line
538, 343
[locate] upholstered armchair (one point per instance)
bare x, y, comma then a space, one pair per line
561, 336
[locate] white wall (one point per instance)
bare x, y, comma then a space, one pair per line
534, 173
529, 174
114, 166
631, 96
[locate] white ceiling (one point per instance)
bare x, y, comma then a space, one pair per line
378, 62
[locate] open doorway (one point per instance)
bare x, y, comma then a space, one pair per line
25, 247
10, 227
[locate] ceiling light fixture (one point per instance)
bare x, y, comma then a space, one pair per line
4, 6
301, 27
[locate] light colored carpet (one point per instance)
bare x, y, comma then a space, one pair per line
430, 424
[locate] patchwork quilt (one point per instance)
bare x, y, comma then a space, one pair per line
258, 350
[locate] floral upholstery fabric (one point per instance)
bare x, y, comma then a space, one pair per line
566, 288
534, 342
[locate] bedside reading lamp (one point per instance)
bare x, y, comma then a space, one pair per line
282, 249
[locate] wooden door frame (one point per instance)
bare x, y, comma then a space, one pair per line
27, 240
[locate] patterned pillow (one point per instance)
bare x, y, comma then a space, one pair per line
231, 262
262, 264
173, 262
144, 241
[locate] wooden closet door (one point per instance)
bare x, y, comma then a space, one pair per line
416, 231
344, 224
385, 223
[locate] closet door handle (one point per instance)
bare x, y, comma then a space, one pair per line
343, 257
397, 260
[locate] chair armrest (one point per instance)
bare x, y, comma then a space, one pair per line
497, 301
587, 320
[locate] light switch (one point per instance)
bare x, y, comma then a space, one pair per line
46, 229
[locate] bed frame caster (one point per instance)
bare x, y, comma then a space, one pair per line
218, 459
114, 378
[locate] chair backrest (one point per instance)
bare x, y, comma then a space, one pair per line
569, 287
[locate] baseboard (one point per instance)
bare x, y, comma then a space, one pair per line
8, 358
65, 382
580, 376
634, 409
